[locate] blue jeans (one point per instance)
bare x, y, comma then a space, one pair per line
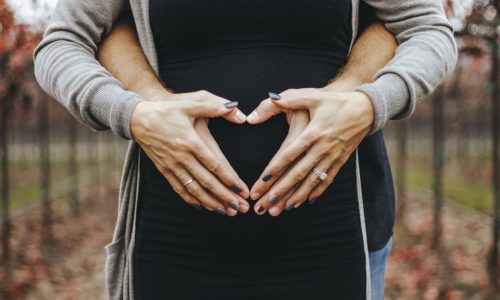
378, 261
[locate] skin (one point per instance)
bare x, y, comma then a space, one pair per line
187, 127
315, 138
328, 123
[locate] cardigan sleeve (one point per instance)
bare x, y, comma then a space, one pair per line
426, 55
67, 69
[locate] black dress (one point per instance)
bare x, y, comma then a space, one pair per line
241, 50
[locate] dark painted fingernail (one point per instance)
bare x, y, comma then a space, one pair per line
260, 209
266, 177
289, 206
231, 104
312, 200
197, 206
221, 211
274, 96
273, 199
236, 188
235, 205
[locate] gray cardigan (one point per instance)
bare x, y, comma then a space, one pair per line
66, 68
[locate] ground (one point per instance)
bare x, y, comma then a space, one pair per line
71, 266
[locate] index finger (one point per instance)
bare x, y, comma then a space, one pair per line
215, 165
240, 187
233, 114
290, 153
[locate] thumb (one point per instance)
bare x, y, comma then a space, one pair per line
263, 112
296, 99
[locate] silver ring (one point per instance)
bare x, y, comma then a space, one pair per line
321, 175
188, 182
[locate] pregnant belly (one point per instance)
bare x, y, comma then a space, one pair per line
246, 76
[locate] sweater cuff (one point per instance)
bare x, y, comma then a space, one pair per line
390, 98
114, 108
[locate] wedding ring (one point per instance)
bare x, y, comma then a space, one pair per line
188, 182
321, 175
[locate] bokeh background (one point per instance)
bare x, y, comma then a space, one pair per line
59, 180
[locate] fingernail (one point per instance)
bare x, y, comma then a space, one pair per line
235, 205
197, 206
236, 188
232, 212
274, 96
266, 177
221, 211
231, 104
273, 199
252, 117
289, 206
244, 207
260, 209
274, 211
312, 200
240, 116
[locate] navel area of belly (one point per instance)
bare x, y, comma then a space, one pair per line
247, 147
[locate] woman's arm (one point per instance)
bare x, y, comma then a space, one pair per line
427, 53
66, 67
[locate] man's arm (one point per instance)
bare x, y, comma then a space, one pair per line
121, 54
426, 54
371, 51
66, 67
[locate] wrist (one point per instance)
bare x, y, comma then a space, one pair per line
357, 105
365, 104
137, 118
152, 93
343, 84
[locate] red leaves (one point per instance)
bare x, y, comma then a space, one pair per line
455, 271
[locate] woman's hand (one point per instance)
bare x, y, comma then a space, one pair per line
170, 133
297, 120
339, 122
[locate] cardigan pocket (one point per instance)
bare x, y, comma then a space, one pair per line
114, 268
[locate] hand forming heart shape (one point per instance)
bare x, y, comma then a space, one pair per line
325, 128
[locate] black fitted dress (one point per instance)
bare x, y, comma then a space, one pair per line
241, 50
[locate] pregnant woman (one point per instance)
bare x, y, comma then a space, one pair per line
242, 50
222, 60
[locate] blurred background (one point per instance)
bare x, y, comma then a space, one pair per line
445, 161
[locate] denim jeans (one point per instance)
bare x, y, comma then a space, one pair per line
378, 261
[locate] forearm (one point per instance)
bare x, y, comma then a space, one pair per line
426, 54
370, 53
66, 67
136, 75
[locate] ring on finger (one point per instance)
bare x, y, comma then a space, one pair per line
321, 175
188, 182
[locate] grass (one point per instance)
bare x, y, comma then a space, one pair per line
25, 186
25, 181
466, 191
